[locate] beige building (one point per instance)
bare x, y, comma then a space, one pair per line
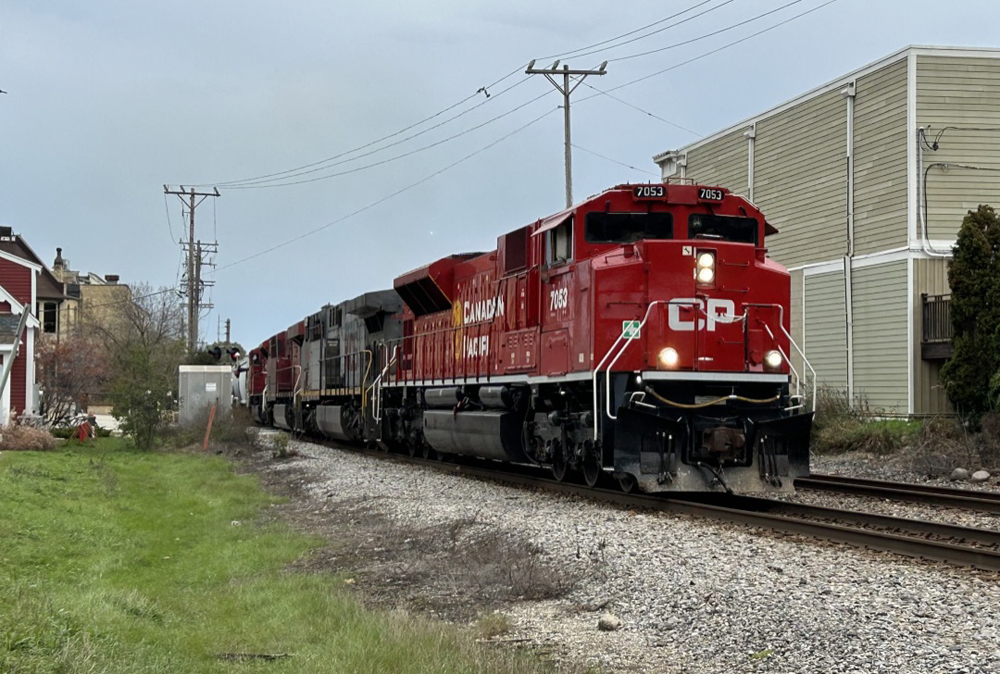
868, 178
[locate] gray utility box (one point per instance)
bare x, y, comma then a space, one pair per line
201, 386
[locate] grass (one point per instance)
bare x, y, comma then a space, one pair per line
115, 560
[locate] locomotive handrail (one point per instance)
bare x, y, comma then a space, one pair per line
798, 379
377, 386
628, 340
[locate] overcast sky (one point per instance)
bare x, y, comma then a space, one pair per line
108, 100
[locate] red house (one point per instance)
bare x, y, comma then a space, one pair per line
18, 293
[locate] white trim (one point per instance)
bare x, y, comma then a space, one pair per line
30, 390
757, 377
751, 136
912, 179
21, 261
942, 245
910, 367
921, 50
871, 259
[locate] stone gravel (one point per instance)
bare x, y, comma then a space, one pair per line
695, 596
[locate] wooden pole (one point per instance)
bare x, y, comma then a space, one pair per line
208, 431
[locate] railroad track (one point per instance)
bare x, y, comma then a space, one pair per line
901, 491
957, 545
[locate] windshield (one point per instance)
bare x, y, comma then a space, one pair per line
628, 227
723, 227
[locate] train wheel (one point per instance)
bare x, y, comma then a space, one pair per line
591, 469
559, 465
428, 452
413, 448
627, 484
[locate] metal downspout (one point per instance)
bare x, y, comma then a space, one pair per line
850, 93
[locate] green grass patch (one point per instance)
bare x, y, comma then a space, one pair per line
116, 560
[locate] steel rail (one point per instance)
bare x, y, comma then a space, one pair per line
798, 518
903, 491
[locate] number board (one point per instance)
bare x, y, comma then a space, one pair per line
710, 194
648, 192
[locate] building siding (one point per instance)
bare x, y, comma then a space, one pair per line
880, 178
963, 92
16, 279
930, 277
721, 162
800, 179
826, 328
881, 372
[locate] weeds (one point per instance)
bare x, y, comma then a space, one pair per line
840, 427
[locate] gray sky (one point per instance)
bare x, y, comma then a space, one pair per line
108, 100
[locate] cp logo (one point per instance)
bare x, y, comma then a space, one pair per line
717, 309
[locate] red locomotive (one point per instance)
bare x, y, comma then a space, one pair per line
642, 333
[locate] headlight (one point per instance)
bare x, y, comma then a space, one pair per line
773, 360
668, 357
705, 273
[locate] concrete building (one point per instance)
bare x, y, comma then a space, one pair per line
868, 178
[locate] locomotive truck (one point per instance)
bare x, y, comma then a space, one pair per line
642, 334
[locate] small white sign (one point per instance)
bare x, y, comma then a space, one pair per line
210, 387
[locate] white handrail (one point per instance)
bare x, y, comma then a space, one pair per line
629, 339
377, 386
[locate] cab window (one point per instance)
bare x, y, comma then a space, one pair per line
559, 243
627, 227
723, 228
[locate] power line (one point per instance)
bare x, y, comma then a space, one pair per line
357, 169
713, 51
391, 135
387, 197
636, 107
170, 225
706, 35
301, 170
574, 53
615, 161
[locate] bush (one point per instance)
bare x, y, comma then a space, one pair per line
18, 436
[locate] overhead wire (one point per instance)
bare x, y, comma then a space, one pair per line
615, 161
387, 197
684, 43
356, 169
319, 165
713, 51
170, 225
574, 53
637, 108
389, 136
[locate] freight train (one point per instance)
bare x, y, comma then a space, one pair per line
640, 335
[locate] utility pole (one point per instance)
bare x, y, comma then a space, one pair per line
565, 90
190, 198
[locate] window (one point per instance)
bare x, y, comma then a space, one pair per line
628, 227
49, 317
559, 243
723, 227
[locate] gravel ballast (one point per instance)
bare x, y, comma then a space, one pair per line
685, 595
